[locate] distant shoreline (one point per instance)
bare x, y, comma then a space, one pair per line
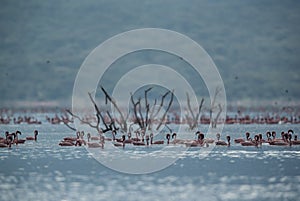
232, 106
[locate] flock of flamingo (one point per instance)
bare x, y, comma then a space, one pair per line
287, 139
13, 139
140, 139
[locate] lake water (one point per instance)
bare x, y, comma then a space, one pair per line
43, 170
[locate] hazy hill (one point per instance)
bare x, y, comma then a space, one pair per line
255, 44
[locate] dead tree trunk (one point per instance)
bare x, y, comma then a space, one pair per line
145, 122
99, 118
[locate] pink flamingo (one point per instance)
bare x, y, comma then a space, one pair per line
97, 145
9, 138
239, 140
17, 140
35, 136
66, 143
120, 143
279, 142
221, 142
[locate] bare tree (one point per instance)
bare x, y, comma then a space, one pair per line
99, 118
191, 118
145, 120
108, 126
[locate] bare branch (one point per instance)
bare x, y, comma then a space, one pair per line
70, 127
147, 105
198, 114
81, 120
218, 115
140, 113
161, 104
165, 113
189, 121
112, 121
108, 97
135, 110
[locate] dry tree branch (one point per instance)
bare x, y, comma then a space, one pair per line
217, 117
112, 121
147, 106
193, 121
160, 106
123, 120
166, 111
99, 116
80, 119
200, 108
140, 113
135, 110
70, 127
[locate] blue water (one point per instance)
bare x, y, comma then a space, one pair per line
43, 170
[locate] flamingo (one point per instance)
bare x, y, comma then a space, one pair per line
268, 134
120, 143
94, 145
66, 143
168, 136
72, 139
89, 137
251, 142
175, 141
221, 142
97, 145
141, 143
129, 140
279, 142
95, 138
3, 145
69, 141
9, 138
121, 140
277, 139
239, 140
35, 136
296, 141
179, 141
254, 142
196, 143
209, 140
17, 140
261, 140
3, 141
137, 133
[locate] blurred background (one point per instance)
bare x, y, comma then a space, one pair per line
255, 44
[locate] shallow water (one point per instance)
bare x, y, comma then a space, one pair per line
43, 170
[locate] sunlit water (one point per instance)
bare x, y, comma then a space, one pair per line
43, 170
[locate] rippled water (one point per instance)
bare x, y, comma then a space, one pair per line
45, 171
